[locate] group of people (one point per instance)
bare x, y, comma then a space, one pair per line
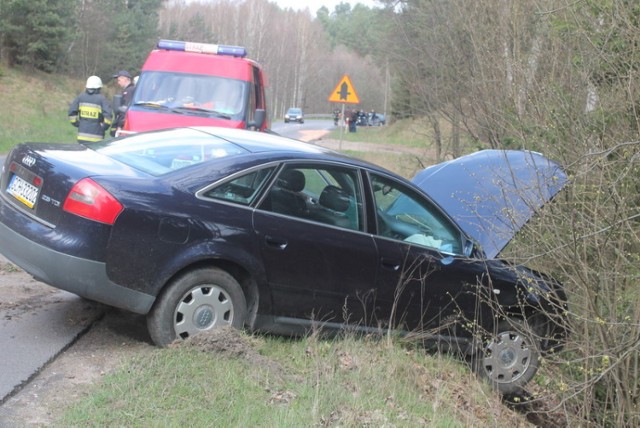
92, 113
360, 118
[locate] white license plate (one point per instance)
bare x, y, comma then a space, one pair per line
23, 191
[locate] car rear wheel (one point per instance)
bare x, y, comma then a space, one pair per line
197, 301
510, 358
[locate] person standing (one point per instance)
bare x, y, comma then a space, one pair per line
124, 80
353, 120
373, 118
90, 112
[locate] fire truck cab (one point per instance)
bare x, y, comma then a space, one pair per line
197, 84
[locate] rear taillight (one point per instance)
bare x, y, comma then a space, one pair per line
90, 200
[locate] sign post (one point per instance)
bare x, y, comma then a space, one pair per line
344, 93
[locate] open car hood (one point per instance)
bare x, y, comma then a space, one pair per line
491, 194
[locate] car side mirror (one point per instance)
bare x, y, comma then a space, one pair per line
468, 248
258, 119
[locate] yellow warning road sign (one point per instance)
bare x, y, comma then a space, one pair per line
344, 92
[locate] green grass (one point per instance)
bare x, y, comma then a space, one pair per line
410, 133
34, 107
403, 164
412, 138
343, 382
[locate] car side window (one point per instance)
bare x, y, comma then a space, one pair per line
405, 215
243, 189
326, 194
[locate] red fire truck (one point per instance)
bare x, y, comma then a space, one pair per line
197, 84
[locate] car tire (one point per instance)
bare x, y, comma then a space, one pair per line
510, 358
197, 301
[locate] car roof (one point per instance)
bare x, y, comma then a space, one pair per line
258, 142
265, 143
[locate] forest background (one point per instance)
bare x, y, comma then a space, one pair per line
556, 76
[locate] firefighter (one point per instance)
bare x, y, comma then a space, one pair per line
90, 112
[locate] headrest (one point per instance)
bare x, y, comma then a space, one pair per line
334, 198
292, 179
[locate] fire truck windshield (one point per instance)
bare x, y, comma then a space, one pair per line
191, 93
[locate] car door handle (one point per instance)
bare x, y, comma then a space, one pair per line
277, 243
393, 265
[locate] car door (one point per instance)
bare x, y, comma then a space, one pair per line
424, 280
319, 263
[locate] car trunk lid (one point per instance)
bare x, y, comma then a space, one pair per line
37, 186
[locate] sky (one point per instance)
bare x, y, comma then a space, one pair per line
314, 5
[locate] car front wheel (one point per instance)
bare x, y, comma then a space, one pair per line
510, 358
197, 301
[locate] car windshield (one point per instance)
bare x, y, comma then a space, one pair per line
191, 93
294, 111
159, 153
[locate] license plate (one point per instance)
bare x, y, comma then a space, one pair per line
23, 191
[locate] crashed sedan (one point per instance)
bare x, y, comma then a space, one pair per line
204, 227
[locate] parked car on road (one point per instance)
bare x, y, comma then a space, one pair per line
376, 119
294, 115
205, 227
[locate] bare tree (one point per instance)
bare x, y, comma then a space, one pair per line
290, 45
561, 78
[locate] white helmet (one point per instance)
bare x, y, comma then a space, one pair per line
94, 82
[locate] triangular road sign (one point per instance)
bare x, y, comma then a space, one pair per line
344, 92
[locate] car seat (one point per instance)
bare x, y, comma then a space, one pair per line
285, 194
332, 205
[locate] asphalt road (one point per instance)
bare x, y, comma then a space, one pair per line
37, 323
302, 131
35, 331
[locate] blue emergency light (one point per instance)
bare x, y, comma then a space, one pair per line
206, 48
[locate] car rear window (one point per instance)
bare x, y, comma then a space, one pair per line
160, 153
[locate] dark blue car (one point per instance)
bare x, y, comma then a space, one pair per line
206, 227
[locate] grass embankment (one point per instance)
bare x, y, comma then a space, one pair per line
340, 382
407, 144
34, 106
236, 380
